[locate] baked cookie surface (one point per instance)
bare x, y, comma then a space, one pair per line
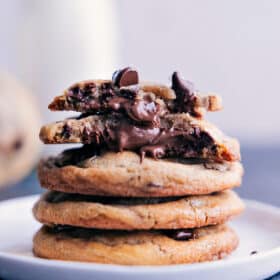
135, 248
124, 174
55, 208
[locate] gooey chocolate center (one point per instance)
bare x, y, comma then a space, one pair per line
120, 133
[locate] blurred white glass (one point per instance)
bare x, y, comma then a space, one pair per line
55, 43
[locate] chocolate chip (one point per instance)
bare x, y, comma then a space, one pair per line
81, 93
105, 91
253, 252
87, 135
129, 93
89, 88
181, 85
154, 185
181, 234
17, 144
74, 90
125, 77
185, 97
66, 131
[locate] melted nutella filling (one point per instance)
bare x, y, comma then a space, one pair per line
121, 134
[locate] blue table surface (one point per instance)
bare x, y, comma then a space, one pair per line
261, 180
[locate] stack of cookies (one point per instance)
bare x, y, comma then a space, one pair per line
150, 184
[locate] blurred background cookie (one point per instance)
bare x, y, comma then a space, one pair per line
19, 123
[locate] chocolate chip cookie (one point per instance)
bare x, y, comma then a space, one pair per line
136, 247
137, 213
149, 183
19, 123
124, 174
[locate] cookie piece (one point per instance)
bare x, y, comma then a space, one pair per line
19, 123
143, 102
135, 248
56, 208
177, 135
123, 174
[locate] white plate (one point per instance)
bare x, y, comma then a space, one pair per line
258, 228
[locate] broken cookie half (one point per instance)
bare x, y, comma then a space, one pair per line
140, 101
175, 135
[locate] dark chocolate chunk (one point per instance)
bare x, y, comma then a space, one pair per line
129, 93
82, 94
185, 97
154, 185
179, 84
125, 77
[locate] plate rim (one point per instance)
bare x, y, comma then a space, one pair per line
210, 265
